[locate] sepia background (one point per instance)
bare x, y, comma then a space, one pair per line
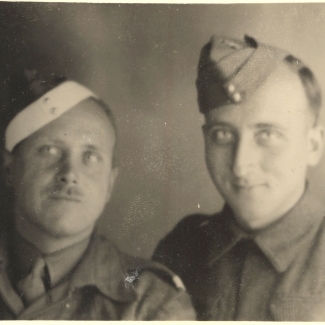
142, 60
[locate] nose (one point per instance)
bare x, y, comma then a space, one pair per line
68, 173
245, 157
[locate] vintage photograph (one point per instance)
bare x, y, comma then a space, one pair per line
162, 161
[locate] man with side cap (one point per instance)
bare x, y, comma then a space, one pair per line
262, 258
58, 159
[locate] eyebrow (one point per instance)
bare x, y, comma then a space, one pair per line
208, 126
91, 147
275, 126
62, 143
268, 126
53, 141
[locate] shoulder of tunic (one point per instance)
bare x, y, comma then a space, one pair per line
161, 294
186, 246
136, 267
192, 223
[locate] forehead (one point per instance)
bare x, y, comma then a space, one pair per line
85, 122
280, 99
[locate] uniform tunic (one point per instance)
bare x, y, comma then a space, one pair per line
277, 273
105, 285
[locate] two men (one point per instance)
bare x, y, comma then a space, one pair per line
263, 256
59, 164
260, 258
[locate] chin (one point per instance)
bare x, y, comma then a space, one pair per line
64, 225
254, 219
65, 231
248, 217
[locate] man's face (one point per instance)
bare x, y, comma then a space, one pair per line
62, 174
257, 153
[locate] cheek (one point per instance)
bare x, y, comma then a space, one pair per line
286, 161
24, 176
97, 182
32, 177
218, 160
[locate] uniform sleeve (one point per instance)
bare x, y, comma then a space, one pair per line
182, 245
159, 300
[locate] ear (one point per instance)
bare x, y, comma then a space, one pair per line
111, 181
315, 144
8, 161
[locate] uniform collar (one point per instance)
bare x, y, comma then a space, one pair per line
23, 255
280, 241
103, 266
224, 234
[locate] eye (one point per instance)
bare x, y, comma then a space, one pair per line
268, 136
49, 151
91, 157
222, 136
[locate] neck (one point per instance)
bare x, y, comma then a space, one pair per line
45, 242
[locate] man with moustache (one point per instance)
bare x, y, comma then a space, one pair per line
58, 159
262, 257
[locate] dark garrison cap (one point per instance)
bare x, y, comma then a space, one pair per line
231, 70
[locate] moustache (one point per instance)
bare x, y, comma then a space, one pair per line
73, 193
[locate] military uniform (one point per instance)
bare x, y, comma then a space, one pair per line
105, 285
274, 274
253, 262
54, 272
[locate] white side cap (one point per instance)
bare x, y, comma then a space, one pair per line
44, 110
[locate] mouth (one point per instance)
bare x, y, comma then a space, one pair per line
65, 198
245, 185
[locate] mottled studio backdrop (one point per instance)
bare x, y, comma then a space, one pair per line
142, 60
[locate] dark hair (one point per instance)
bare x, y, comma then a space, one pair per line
24, 87
309, 82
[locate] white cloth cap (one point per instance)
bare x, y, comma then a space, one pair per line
44, 110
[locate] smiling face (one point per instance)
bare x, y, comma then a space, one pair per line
257, 153
62, 175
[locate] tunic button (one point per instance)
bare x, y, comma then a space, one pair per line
236, 97
231, 88
67, 305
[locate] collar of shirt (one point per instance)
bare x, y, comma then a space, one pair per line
101, 265
23, 255
280, 242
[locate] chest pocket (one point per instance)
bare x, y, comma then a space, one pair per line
298, 309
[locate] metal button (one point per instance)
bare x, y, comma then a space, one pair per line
67, 305
231, 88
178, 282
236, 97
